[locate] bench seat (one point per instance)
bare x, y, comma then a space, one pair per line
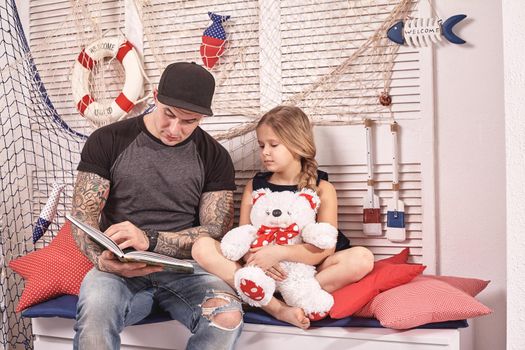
53, 330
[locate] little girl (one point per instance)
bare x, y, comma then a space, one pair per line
287, 150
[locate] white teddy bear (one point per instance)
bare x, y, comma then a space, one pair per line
282, 218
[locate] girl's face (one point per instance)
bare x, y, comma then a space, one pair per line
274, 155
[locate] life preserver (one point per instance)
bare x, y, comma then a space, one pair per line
104, 113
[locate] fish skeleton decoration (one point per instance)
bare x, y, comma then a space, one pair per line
213, 40
418, 32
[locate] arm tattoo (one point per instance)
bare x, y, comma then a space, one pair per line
89, 197
216, 218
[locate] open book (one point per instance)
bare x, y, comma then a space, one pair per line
169, 263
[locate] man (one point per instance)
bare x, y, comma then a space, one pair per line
156, 182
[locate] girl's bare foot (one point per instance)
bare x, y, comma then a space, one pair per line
292, 315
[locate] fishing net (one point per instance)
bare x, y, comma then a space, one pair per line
329, 57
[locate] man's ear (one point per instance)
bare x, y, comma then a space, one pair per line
155, 93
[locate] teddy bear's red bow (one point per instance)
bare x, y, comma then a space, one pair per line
279, 235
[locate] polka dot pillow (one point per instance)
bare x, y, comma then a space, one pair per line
52, 271
427, 299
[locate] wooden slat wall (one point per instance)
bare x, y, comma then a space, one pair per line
178, 27
318, 36
313, 40
53, 28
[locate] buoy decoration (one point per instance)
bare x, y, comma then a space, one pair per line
125, 53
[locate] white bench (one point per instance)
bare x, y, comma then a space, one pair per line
57, 334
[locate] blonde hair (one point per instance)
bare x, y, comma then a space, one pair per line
294, 130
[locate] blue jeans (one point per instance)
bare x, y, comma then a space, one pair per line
107, 303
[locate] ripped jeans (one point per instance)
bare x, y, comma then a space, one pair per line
107, 303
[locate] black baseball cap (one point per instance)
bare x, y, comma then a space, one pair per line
188, 86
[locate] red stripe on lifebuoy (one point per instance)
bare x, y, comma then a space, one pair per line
123, 50
85, 60
124, 103
84, 103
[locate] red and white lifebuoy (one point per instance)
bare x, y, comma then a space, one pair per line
104, 113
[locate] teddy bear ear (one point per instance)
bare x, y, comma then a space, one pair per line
259, 193
311, 197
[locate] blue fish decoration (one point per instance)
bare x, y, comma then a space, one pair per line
418, 32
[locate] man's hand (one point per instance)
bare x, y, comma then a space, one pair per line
127, 235
268, 258
108, 262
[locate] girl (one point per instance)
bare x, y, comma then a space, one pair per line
287, 150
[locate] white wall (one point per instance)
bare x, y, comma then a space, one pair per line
514, 56
471, 161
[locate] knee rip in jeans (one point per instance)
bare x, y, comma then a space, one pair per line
222, 309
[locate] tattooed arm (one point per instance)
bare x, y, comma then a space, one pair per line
89, 197
216, 218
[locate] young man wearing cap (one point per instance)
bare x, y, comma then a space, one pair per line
156, 182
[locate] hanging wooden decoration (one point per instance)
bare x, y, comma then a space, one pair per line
418, 32
395, 223
371, 207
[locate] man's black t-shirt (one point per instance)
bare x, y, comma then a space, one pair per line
153, 185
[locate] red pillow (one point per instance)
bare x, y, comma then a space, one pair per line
399, 258
424, 300
384, 276
57, 269
471, 286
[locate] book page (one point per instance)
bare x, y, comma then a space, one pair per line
151, 258
170, 263
97, 235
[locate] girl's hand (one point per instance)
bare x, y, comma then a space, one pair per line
277, 273
268, 258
